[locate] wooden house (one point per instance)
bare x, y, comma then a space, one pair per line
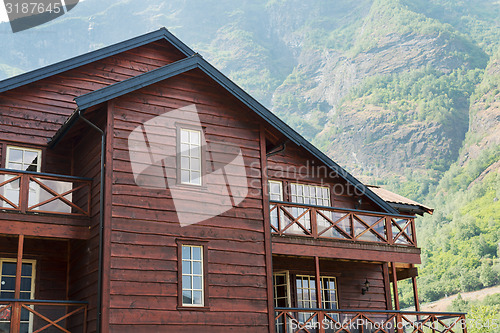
143, 191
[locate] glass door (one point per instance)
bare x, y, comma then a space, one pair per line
7, 290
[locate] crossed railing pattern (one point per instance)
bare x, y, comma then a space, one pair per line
43, 316
327, 222
294, 320
37, 193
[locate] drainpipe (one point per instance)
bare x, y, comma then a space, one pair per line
101, 220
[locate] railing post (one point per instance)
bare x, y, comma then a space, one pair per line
314, 223
413, 232
463, 324
24, 195
388, 225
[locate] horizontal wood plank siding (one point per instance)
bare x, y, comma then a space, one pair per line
145, 225
34, 112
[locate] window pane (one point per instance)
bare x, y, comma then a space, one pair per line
9, 268
196, 253
195, 177
186, 267
30, 157
7, 294
197, 297
184, 136
197, 282
195, 164
187, 297
197, 267
184, 149
186, 252
8, 283
26, 270
15, 155
25, 284
195, 137
184, 162
185, 176
186, 282
25, 295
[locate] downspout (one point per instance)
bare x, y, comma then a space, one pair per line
101, 221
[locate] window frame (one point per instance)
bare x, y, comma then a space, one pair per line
8, 148
33, 284
204, 245
281, 183
180, 128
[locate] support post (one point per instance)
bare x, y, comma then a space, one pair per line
15, 320
415, 293
318, 294
396, 296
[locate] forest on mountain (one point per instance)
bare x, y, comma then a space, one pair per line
402, 93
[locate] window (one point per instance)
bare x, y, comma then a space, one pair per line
7, 288
275, 190
310, 194
25, 159
329, 292
281, 290
275, 193
190, 156
192, 275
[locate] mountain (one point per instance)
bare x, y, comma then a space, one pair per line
403, 93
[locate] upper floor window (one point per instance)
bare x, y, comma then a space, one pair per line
275, 190
192, 275
310, 194
25, 159
190, 156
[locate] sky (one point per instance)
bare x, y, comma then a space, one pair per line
3, 12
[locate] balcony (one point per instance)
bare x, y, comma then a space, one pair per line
33, 192
318, 222
23, 316
295, 320
46, 205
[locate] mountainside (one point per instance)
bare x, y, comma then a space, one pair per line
403, 93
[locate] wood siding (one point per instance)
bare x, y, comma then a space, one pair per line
33, 113
143, 275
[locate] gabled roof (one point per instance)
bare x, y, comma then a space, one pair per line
196, 61
399, 202
89, 57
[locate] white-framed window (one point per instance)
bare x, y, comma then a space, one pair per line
310, 194
281, 290
24, 159
192, 275
7, 288
275, 190
190, 156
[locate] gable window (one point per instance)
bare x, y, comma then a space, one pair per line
310, 194
190, 156
7, 289
192, 275
24, 159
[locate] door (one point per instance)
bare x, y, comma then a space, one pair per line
7, 290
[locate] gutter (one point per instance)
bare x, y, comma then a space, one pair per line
78, 114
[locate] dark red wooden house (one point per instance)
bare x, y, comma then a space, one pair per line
143, 191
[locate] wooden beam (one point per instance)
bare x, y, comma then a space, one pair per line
318, 293
395, 286
407, 273
387, 285
415, 292
20, 246
44, 230
325, 248
267, 230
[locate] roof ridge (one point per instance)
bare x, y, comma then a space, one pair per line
89, 57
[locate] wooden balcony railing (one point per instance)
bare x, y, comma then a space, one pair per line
346, 224
293, 320
33, 192
23, 316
